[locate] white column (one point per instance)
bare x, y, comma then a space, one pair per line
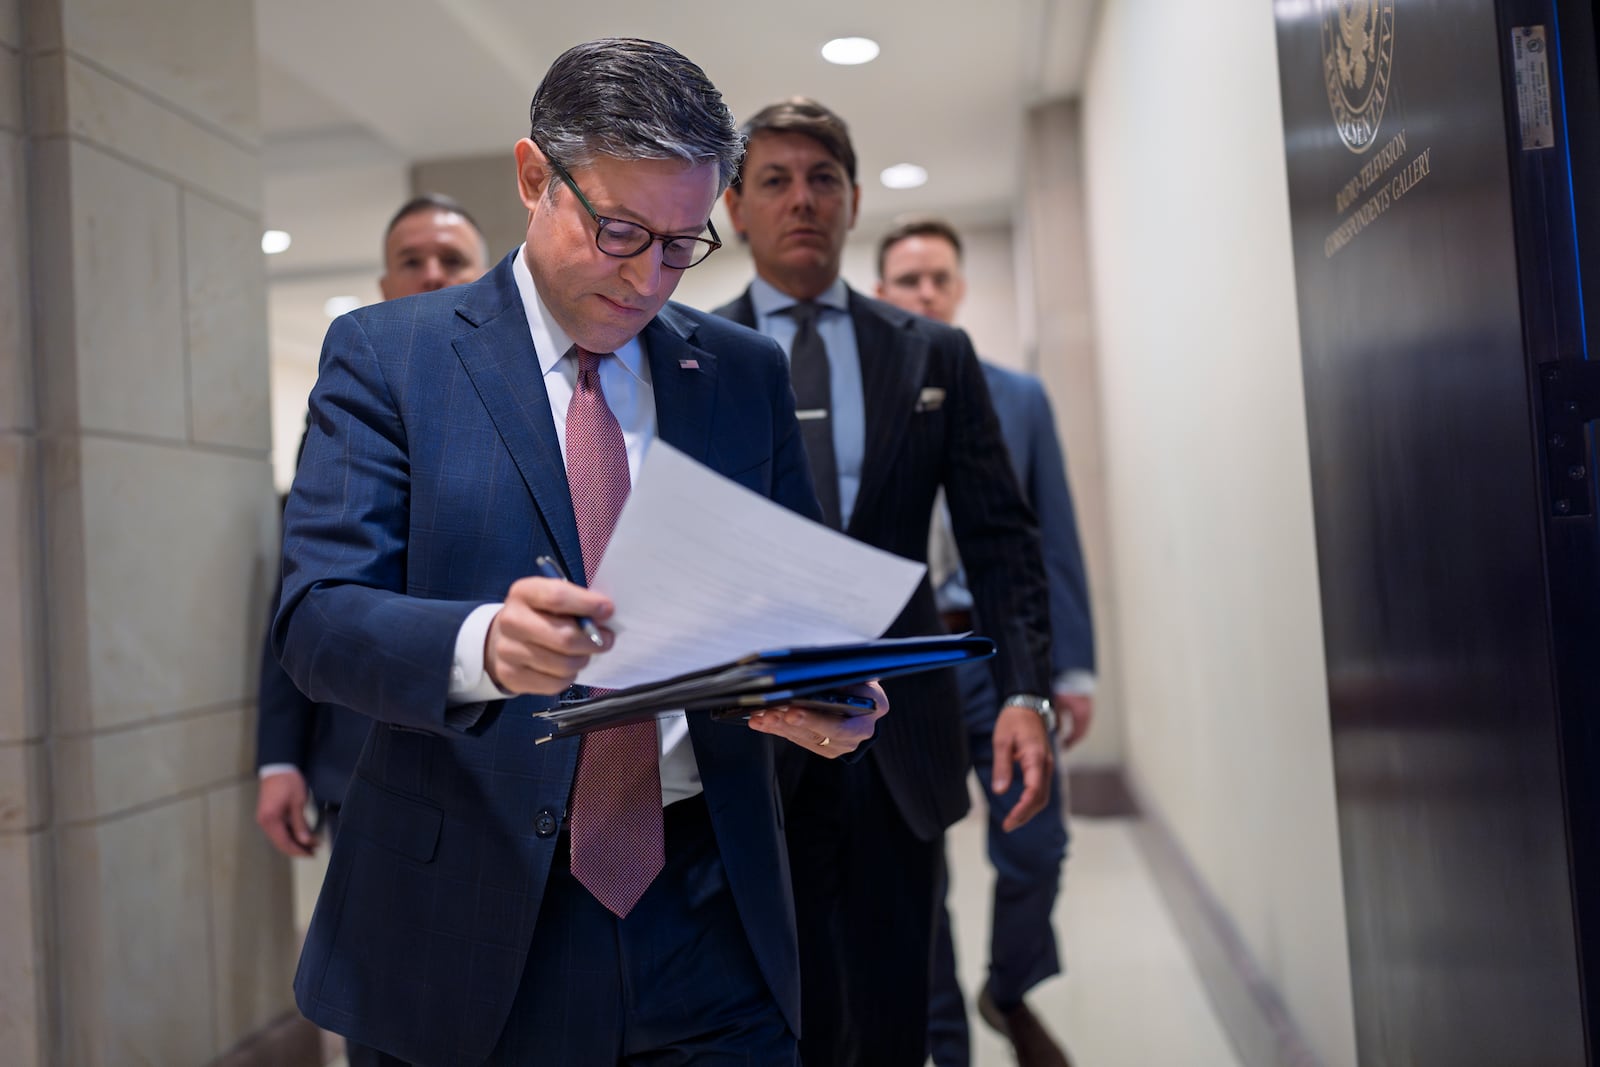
137, 538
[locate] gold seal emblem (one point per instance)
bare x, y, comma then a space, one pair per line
1357, 52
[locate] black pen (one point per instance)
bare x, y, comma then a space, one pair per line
549, 568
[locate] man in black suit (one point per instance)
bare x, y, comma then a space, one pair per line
893, 407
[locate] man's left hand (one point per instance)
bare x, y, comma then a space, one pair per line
819, 732
1021, 739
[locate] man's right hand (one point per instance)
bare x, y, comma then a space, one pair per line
534, 644
281, 813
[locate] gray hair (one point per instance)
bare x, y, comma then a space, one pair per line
632, 99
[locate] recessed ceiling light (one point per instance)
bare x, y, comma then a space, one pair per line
338, 305
903, 176
274, 241
849, 51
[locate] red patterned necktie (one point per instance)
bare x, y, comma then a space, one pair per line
617, 835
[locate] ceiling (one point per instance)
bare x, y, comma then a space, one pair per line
355, 91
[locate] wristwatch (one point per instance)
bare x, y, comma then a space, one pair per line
1042, 705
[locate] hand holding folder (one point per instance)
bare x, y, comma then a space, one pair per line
774, 678
701, 569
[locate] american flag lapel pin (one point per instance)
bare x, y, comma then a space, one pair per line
688, 364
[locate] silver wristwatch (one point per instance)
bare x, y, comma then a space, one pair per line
1042, 705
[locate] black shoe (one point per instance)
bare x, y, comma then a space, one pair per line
1032, 1043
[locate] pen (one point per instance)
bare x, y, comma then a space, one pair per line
549, 568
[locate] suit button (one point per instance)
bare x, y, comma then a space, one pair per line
546, 823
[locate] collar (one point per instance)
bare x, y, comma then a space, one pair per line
550, 341
768, 299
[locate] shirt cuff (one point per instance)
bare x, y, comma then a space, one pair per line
267, 770
469, 682
1074, 683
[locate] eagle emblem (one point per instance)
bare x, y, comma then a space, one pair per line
1357, 45
1357, 50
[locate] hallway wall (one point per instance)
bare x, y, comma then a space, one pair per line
1220, 666
143, 917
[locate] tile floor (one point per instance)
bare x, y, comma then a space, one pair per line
1130, 997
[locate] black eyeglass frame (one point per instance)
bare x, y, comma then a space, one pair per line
711, 244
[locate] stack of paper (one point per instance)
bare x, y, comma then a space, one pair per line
702, 571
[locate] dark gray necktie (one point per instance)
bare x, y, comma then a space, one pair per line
813, 401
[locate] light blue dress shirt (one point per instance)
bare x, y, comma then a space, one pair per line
838, 332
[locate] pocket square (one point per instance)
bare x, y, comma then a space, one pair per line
930, 399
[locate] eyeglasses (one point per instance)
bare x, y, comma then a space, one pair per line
624, 239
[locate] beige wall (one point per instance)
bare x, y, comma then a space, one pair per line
143, 919
1208, 489
1057, 327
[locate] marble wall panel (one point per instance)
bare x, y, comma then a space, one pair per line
253, 950
16, 379
134, 939
226, 325
21, 715
41, 23
103, 774
11, 108
163, 607
22, 787
23, 971
199, 58
69, 96
109, 293
52, 303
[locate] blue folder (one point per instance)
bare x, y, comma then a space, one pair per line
764, 679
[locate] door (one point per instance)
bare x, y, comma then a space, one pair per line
1441, 210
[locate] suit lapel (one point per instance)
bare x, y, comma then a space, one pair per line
893, 367
684, 379
741, 310
500, 359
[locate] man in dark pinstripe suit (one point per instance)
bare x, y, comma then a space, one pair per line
906, 412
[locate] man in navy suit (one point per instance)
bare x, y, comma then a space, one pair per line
895, 408
302, 747
919, 269
490, 899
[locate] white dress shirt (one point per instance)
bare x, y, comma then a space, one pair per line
626, 383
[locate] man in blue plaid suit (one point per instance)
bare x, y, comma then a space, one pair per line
451, 928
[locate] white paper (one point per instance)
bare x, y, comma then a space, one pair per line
703, 571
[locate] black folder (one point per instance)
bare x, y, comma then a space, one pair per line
763, 679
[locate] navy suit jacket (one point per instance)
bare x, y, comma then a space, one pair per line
1029, 429
915, 444
322, 740
432, 478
